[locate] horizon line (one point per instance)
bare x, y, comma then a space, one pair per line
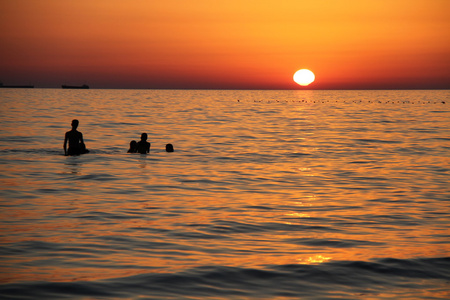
250, 89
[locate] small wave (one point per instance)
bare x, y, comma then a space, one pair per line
331, 243
386, 278
230, 227
98, 177
259, 207
52, 152
33, 151
377, 141
362, 162
298, 154
437, 138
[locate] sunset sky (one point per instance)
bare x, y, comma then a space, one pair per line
238, 44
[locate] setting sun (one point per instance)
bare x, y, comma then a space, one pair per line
304, 77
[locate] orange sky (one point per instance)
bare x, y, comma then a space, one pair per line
225, 44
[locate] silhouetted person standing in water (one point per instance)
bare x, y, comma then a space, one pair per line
143, 147
75, 139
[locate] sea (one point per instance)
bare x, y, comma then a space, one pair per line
269, 194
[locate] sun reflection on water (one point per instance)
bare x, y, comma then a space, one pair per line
299, 215
316, 259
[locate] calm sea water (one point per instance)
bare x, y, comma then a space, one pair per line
269, 194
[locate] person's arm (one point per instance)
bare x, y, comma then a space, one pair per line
81, 138
148, 148
65, 144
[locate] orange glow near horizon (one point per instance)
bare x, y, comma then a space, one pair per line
175, 44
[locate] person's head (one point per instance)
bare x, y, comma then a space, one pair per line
169, 148
133, 147
75, 124
144, 136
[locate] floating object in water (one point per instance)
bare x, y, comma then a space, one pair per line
84, 86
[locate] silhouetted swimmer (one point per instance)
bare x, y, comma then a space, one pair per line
169, 148
75, 139
133, 147
143, 147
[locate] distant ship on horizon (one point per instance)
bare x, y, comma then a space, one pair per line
84, 86
16, 86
